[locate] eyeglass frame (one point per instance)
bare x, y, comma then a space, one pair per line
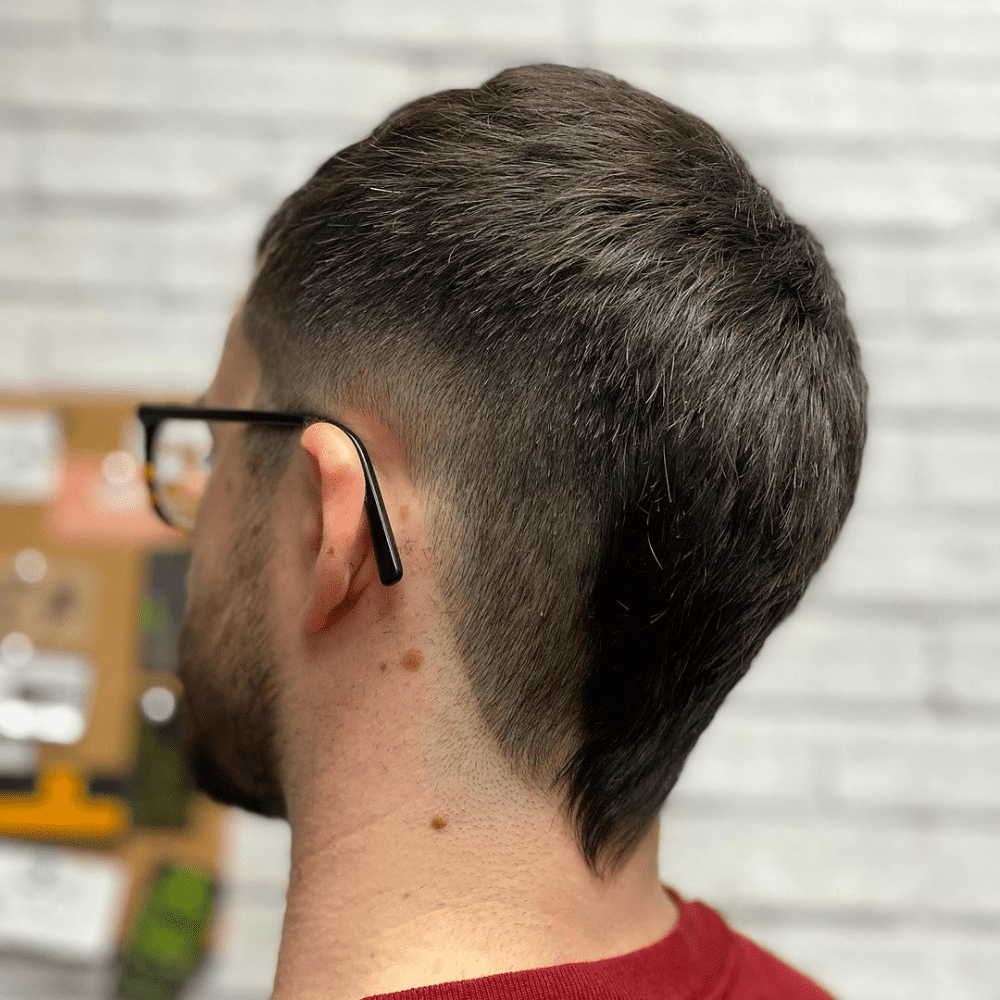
390, 567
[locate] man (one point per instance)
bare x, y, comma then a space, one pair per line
603, 394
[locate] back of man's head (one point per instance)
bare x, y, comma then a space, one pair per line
625, 381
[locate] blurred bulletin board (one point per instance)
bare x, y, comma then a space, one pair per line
90, 597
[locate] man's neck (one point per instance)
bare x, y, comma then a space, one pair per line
418, 856
424, 896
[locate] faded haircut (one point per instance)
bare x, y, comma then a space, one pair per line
623, 375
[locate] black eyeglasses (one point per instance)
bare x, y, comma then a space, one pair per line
179, 458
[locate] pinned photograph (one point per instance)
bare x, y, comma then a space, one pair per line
31, 444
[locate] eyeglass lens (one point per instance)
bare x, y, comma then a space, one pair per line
182, 459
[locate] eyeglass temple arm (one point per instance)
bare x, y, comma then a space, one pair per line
390, 567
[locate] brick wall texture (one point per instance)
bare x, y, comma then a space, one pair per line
845, 806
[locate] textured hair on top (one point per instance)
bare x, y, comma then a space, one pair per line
623, 375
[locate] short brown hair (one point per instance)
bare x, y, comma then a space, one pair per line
632, 375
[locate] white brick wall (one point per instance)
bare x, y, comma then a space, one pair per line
845, 806
970, 677
825, 865
816, 657
939, 469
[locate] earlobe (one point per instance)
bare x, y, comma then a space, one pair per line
340, 545
326, 595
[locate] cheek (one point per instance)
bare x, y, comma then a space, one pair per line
213, 536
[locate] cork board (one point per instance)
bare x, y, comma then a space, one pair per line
76, 537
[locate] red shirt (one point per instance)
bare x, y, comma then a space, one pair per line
700, 959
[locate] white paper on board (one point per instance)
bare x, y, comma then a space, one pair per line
59, 903
45, 699
30, 453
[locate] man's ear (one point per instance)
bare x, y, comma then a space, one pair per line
340, 541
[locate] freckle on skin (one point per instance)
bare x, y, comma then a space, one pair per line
439, 823
412, 660
383, 666
404, 513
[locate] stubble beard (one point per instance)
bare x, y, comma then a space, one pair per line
228, 710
